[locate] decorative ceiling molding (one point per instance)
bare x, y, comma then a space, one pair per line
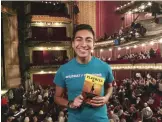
142, 66
47, 18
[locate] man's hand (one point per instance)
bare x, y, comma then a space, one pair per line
77, 102
99, 101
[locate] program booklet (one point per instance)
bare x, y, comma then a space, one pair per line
92, 87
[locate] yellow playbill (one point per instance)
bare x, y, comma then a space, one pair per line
92, 86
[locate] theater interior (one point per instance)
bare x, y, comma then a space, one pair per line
36, 40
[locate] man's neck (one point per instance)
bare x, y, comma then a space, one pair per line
83, 60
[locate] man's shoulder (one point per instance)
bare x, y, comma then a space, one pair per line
97, 60
68, 64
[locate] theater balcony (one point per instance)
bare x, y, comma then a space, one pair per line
51, 8
138, 47
41, 30
48, 32
47, 57
141, 21
47, 21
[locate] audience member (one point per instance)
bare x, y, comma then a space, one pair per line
130, 102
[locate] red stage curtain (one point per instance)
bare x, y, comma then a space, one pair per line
43, 79
38, 57
51, 34
47, 57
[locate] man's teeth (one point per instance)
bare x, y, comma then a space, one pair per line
83, 49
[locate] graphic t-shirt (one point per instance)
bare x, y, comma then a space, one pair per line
71, 76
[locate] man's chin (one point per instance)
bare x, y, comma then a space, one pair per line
83, 56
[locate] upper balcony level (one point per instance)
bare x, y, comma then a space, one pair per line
51, 8
48, 29
141, 31
141, 21
48, 21
46, 34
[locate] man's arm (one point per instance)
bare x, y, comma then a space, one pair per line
59, 99
109, 91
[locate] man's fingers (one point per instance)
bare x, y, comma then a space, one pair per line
74, 106
77, 104
79, 100
97, 98
97, 101
96, 105
80, 97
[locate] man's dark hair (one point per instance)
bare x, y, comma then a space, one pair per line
82, 27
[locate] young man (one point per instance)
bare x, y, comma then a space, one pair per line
71, 77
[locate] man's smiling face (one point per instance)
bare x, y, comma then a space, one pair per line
83, 43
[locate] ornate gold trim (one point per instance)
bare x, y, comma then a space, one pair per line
47, 18
142, 66
87, 14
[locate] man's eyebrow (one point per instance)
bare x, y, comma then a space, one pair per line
82, 37
78, 37
89, 38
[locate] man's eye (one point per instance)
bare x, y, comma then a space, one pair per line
89, 40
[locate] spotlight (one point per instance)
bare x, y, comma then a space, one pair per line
152, 43
41, 71
117, 8
136, 10
142, 7
131, 32
41, 48
110, 49
57, 48
149, 4
101, 50
160, 40
129, 12
127, 48
48, 23
128, 3
143, 45
49, 48
119, 48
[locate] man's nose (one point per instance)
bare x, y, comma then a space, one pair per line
83, 43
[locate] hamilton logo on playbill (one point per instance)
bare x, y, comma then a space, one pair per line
92, 86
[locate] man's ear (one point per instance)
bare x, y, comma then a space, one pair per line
94, 43
73, 44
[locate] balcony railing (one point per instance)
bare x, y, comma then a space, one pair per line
53, 64
152, 60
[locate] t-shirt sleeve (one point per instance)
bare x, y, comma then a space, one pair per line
110, 76
59, 78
